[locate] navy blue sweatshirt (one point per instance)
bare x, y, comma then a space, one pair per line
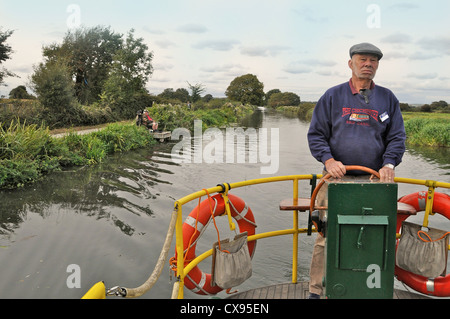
357, 129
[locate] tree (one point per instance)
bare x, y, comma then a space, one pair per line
438, 105
246, 89
182, 95
196, 91
128, 77
20, 92
269, 94
425, 108
55, 89
207, 98
5, 54
167, 94
284, 99
89, 55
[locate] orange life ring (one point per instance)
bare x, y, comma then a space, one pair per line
196, 280
439, 286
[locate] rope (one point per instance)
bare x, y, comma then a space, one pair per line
429, 240
214, 220
139, 291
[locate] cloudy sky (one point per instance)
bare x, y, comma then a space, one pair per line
298, 46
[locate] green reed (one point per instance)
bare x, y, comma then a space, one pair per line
28, 152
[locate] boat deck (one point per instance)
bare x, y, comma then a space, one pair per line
301, 291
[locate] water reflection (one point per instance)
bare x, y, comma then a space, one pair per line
124, 182
440, 155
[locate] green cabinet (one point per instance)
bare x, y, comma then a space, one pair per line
360, 240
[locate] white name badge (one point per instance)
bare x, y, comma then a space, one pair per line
384, 117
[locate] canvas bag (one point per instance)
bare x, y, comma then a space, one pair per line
422, 253
232, 264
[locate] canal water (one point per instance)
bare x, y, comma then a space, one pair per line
109, 222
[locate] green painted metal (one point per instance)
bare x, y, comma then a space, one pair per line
360, 240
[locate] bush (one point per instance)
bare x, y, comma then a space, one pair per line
428, 131
283, 99
29, 152
171, 117
55, 90
24, 154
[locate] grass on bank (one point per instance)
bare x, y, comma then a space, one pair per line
427, 129
27, 152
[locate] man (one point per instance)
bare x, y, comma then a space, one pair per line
355, 123
148, 122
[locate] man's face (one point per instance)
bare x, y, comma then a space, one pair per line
364, 66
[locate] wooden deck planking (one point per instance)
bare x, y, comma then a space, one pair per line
301, 291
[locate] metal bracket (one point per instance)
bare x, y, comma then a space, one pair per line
116, 291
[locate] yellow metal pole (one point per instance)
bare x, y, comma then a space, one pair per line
430, 200
295, 237
179, 248
228, 211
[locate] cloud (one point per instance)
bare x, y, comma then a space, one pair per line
192, 28
423, 76
22, 68
153, 31
419, 55
438, 44
312, 15
304, 66
297, 69
165, 44
397, 38
318, 62
404, 6
223, 73
270, 50
217, 45
394, 55
222, 68
163, 67
160, 80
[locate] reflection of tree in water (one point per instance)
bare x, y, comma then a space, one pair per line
439, 155
254, 120
125, 182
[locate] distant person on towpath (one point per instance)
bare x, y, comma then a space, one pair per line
355, 123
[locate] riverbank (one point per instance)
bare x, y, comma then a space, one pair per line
427, 129
29, 152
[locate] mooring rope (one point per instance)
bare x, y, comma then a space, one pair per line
141, 290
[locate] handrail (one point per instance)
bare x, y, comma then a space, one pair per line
183, 270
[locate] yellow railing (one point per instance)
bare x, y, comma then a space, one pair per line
99, 290
183, 270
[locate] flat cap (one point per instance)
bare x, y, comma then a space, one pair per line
365, 48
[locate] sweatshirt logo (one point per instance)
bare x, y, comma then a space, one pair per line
359, 116
360, 113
